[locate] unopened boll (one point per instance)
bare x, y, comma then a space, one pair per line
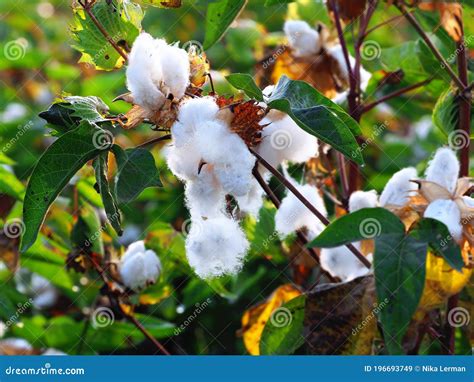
399, 188
303, 40
216, 247
155, 71
294, 215
443, 169
139, 267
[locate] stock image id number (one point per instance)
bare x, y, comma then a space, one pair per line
388, 368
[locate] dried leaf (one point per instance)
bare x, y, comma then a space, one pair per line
451, 16
350, 9
245, 122
341, 318
255, 318
432, 191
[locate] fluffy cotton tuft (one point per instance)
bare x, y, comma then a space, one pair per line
139, 267
294, 215
443, 169
447, 212
216, 247
303, 40
399, 188
363, 199
155, 70
341, 262
283, 140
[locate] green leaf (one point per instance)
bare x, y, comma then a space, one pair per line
122, 23
53, 171
280, 339
136, 171
430, 63
246, 83
86, 233
269, 3
108, 199
317, 115
219, 16
10, 185
445, 113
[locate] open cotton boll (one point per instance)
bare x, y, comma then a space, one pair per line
216, 247
341, 262
204, 195
303, 40
139, 267
363, 199
399, 188
196, 111
284, 140
443, 169
183, 162
294, 215
144, 73
447, 212
176, 70
251, 202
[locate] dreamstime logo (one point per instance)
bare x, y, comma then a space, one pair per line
281, 317
370, 228
281, 139
102, 139
199, 309
371, 50
14, 228
193, 47
21, 131
270, 60
458, 317
16, 49
102, 317
458, 139
22, 308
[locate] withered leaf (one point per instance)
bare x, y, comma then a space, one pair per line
246, 122
451, 16
341, 318
350, 9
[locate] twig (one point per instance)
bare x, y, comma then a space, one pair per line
301, 237
154, 140
388, 21
394, 94
87, 8
414, 22
306, 203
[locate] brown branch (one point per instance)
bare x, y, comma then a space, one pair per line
87, 6
414, 22
388, 21
306, 203
154, 140
301, 237
394, 94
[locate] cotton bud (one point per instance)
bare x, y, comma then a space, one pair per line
283, 140
341, 262
363, 199
156, 71
139, 267
293, 215
216, 247
399, 188
443, 169
447, 212
303, 40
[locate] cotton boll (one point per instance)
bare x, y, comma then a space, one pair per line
204, 195
447, 212
284, 140
251, 202
144, 73
197, 110
183, 162
216, 247
363, 199
139, 267
443, 169
341, 262
337, 53
294, 215
399, 188
304, 40
235, 178
176, 70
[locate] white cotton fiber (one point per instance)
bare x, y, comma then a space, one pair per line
216, 247
363, 199
447, 212
303, 40
139, 267
399, 188
251, 202
443, 169
283, 140
176, 70
341, 262
294, 215
144, 74
183, 162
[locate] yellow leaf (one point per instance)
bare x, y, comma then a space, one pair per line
255, 318
155, 298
